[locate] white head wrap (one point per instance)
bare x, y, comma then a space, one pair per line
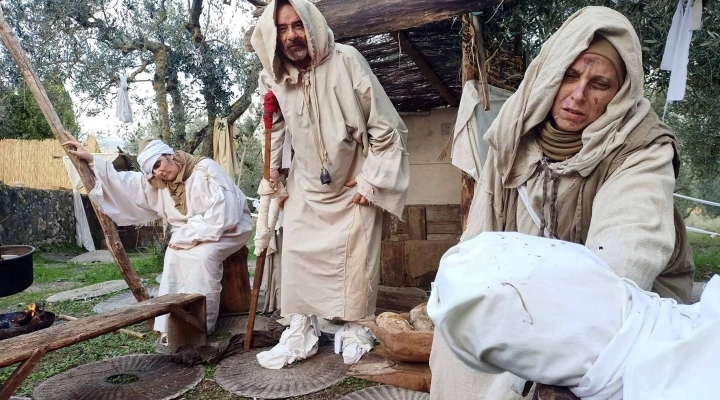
150, 155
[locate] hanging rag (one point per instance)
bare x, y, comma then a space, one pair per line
469, 149
225, 146
677, 48
123, 112
83, 237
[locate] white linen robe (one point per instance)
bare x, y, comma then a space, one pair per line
217, 225
331, 246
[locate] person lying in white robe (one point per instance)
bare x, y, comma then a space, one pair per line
553, 312
207, 212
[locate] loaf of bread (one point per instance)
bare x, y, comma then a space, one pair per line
419, 318
393, 323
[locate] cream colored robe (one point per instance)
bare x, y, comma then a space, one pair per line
217, 224
632, 226
331, 246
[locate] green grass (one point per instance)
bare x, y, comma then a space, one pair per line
706, 252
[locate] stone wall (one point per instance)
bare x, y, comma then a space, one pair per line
36, 217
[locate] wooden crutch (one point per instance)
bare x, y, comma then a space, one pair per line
270, 106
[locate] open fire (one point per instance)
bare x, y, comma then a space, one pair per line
33, 318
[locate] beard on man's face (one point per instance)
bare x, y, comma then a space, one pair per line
295, 50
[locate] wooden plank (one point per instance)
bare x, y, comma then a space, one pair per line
448, 212
444, 236
370, 17
444, 227
21, 372
393, 263
416, 223
400, 299
112, 239
423, 260
56, 337
408, 48
411, 376
235, 294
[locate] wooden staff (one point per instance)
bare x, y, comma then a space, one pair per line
88, 179
270, 106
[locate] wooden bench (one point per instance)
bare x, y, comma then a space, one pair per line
235, 294
186, 326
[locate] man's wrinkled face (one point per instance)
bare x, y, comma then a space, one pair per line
291, 33
166, 168
586, 89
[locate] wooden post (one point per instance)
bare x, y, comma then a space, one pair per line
471, 57
88, 179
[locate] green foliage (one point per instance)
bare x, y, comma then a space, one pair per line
21, 115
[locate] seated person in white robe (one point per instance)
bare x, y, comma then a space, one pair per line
207, 212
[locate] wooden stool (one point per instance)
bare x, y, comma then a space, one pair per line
235, 295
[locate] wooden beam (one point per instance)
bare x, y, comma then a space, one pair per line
21, 372
407, 47
369, 17
88, 178
469, 32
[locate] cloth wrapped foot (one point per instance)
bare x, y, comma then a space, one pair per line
298, 342
353, 340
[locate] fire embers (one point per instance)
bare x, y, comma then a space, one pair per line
33, 316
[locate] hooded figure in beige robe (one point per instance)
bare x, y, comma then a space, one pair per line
608, 185
339, 119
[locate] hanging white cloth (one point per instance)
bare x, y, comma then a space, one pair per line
677, 48
225, 146
553, 312
469, 149
83, 237
123, 112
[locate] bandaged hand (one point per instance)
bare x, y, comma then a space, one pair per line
358, 199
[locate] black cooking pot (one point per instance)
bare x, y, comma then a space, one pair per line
16, 269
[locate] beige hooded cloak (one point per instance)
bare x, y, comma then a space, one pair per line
614, 196
337, 109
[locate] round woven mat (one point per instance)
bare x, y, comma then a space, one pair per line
148, 376
88, 292
243, 375
386, 393
122, 300
96, 256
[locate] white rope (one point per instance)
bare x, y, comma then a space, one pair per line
710, 203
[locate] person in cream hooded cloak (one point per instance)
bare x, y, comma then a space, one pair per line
608, 186
337, 116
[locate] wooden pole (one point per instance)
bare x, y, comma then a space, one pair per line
111, 236
260, 262
469, 72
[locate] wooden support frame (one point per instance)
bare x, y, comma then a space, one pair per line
186, 326
20, 374
408, 48
88, 179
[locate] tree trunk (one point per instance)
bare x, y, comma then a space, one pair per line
159, 85
178, 112
207, 144
241, 166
